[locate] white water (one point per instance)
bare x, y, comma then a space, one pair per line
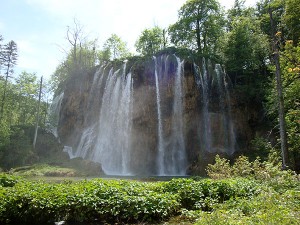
217, 131
112, 148
171, 154
229, 135
53, 113
108, 128
161, 148
177, 164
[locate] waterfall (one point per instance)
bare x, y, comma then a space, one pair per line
161, 148
171, 156
53, 113
112, 147
217, 130
177, 164
149, 119
225, 107
106, 138
203, 81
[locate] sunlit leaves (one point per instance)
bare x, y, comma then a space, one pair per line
150, 41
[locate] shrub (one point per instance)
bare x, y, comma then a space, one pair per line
220, 170
268, 171
8, 180
107, 201
268, 207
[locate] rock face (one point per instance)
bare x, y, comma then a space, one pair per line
152, 118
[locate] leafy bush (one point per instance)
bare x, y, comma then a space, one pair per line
120, 201
220, 170
204, 194
268, 207
8, 180
108, 201
269, 171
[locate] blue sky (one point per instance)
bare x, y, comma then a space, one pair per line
39, 26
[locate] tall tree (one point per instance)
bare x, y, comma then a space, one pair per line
10, 55
151, 41
245, 49
75, 37
291, 21
281, 113
27, 87
1, 54
115, 48
290, 66
199, 26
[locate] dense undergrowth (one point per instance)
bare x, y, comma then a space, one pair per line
251, 193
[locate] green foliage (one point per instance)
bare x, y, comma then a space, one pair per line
199, 26
291, 20
204, 194
120, 201
8, 180
260, 146
269, 171
18, 151
221, 169
110, 201
268, 207
114, 48
44, 170
290, 70
245, 47
150, 41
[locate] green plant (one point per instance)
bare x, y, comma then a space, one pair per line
8, 180
221, 169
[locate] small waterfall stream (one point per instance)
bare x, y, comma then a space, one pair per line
53, 113
217, 130
161, 148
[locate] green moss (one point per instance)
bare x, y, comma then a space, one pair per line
44, 170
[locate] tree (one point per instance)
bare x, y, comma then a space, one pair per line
75, 38
262, 12
199, 26
281, 113
290, 68
27, 87
151, 41
291, 20
238, 10
1, 54
115, 48
245, 49
10, 55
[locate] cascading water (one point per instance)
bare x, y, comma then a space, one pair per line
229, 134
161, 147
138, 120
112, 147
217, 130
177, 164
53, 113
171, 156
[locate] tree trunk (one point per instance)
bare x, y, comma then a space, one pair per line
283, 135
198, 36
4, 92
38, 114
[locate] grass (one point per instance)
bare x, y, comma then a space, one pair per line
45, 170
